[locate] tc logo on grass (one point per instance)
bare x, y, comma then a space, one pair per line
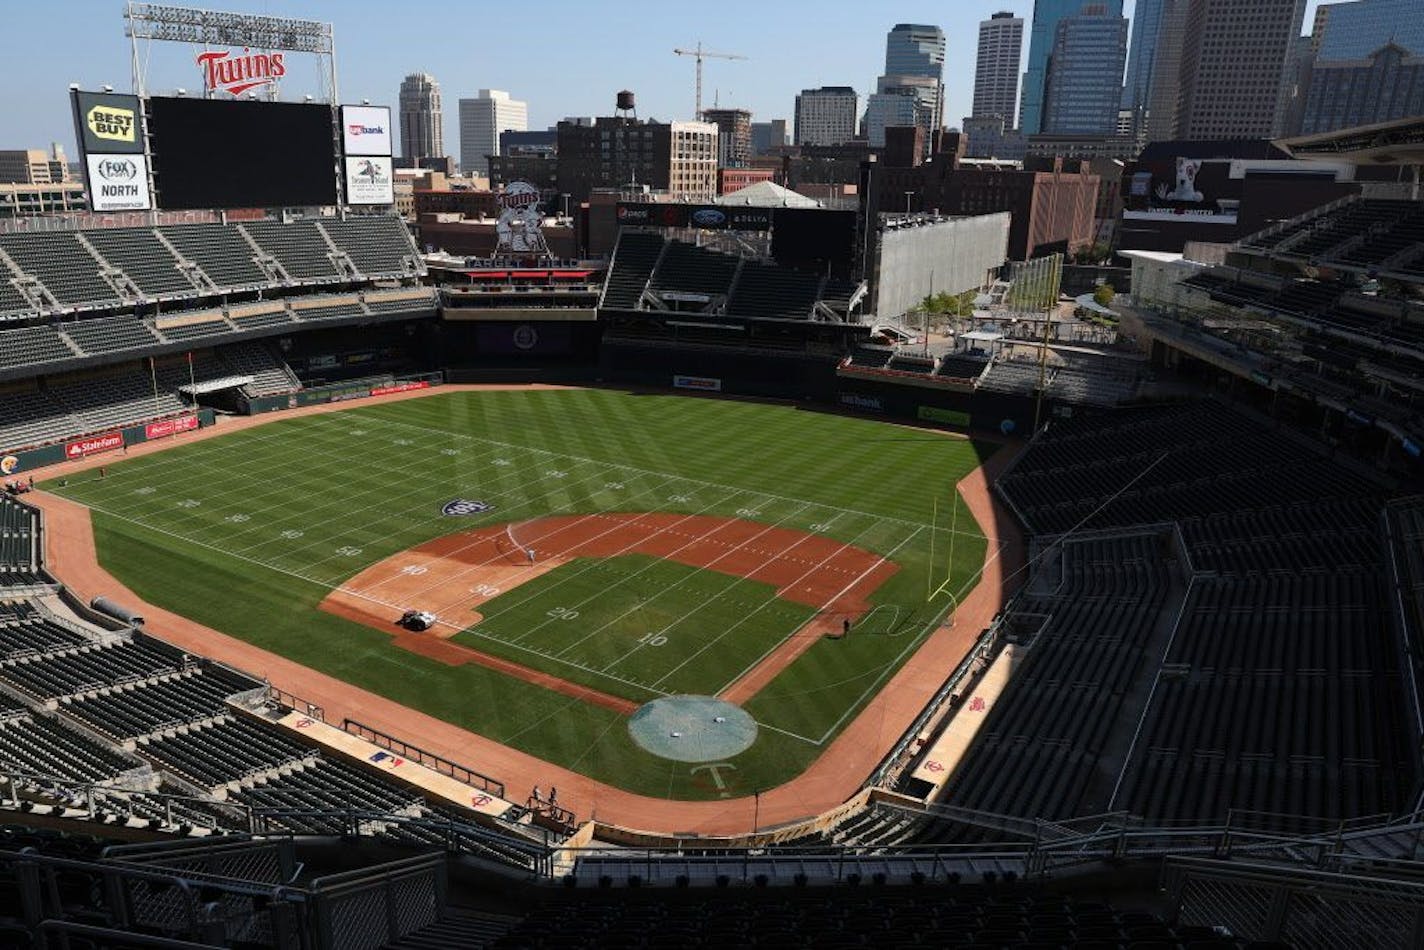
457, 507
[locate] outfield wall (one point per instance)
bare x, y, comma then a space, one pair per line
100, 443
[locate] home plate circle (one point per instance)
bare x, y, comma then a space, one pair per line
692, 728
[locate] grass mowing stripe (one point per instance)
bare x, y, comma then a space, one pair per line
851, 480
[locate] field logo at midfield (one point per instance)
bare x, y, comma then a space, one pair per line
458, 507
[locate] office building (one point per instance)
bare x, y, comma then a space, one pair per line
1084, 84
826, 116
1159, 122
1042, 33
990, 137
914, 69
1381, 87
901, 101
1237, 65
629, 154
482, 119
996, 66
770, 135
1357, 30
734, 135
421, 120
1146, 26
34, 166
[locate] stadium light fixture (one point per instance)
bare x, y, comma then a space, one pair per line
150, 22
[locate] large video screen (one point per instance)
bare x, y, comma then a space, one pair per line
220, 153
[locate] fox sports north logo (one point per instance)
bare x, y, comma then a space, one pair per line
459, 507
118, 169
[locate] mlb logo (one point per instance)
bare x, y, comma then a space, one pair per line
464, 506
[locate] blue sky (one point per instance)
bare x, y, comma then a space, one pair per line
563, 58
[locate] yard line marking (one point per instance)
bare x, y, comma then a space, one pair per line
644, 471
701, 539
879, 561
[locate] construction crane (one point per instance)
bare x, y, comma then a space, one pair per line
699, 53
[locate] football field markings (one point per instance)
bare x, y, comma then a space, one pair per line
341, 460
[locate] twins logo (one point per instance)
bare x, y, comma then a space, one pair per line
459, 507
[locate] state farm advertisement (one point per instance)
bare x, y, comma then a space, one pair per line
93, 445
162, 430
399, 388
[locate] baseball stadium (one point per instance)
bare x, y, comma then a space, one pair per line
358, 592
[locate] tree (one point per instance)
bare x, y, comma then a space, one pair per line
1104, 295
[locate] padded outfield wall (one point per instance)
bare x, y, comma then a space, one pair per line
948, 256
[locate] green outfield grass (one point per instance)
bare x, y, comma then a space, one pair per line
248, 532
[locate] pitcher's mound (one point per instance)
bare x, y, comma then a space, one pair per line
692, 728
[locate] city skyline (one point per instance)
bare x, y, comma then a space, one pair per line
375, 52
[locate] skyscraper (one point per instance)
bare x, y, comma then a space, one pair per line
1142, 54
914, 68
1084, 79
482, 119
1046, 14
422, 134
996, 68
1356, 30
1164, 85
826, 116
769, 135
1237, 63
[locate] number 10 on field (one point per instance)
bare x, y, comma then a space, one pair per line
652, 639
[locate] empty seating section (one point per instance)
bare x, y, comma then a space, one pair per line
633, 261
220, 251
138, 711
402, 303
299, 247
1367, 218
39, 744
1038, 753
62, 264
1012, 376
589, 919
326, 785
24, 630
686, 268
90, 667
873, 357
766, 290
270, 376
911, 363
1282, 689
19, 539
954, 366
106, 402
346, 309
11, 300
378, 246
224, 751
258, 319
1095, 387
195, 329
32, 346
32, 418
109, 334
142, 257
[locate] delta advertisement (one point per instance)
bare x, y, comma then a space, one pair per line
366, 130
369, 180
118, 182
